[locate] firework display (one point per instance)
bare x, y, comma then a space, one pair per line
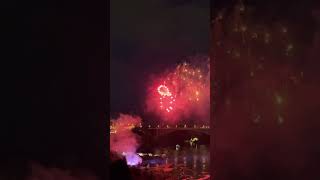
181, 91
166, 98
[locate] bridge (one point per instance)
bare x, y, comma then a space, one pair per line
160, 131
163, 130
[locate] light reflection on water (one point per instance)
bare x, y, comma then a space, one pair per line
189, 162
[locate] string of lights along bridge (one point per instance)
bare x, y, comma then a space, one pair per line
113, 129
178, 127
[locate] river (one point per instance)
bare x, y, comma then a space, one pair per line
185, 163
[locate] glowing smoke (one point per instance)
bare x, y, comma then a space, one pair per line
182, 91
122, 140
133, 159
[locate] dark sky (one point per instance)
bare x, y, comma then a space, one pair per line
148, 36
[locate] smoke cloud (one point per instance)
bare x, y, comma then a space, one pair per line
123, 141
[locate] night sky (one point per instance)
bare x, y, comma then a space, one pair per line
146, 38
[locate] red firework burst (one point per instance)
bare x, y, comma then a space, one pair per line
167, 100
182, 91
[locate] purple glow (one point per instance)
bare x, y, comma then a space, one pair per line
133, 159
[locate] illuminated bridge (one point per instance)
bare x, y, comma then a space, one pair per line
160, 131
164, 130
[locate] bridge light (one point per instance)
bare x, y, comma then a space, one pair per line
185, 126
158, 126
149, 126
176, 126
